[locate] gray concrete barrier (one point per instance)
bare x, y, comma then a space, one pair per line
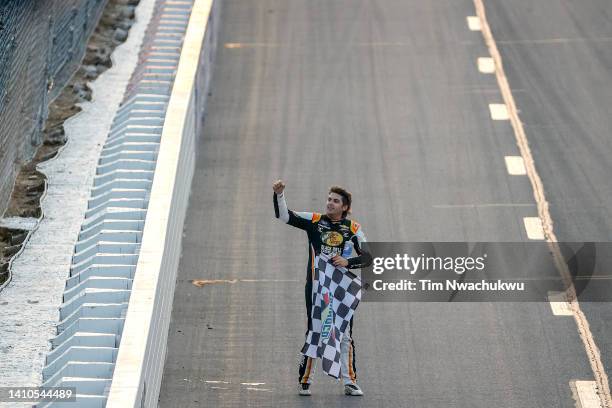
138, 371
114, 319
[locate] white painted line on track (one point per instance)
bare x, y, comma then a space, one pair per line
558, 304
533, 226
486, 65
582, 324
473, 23
499, 111
483, 205
515, 165
586, 394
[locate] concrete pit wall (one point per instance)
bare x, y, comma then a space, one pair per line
111, 341
140, 362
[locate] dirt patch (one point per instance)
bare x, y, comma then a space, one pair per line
10, 244
30, 184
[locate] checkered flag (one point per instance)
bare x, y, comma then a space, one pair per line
336, 292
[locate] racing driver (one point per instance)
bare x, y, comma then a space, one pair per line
336, 236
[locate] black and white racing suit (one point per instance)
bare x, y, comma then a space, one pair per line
330, 238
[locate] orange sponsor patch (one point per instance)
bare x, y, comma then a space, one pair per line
316, 217
354, 227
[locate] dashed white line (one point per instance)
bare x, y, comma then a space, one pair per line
586, 394
499, 111
601, 386
533, 226
515, 165
473, 23
558, 304
486, 65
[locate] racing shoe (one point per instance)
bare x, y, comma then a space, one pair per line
353, 390
304, 389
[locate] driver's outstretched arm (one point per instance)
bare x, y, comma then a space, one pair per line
280, 207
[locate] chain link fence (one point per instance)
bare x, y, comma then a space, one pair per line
41, 45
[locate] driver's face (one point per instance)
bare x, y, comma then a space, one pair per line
334, 206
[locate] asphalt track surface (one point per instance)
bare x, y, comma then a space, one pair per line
385, 98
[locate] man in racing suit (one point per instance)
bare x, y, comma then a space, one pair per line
334, 235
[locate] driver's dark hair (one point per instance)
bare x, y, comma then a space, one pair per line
347, 198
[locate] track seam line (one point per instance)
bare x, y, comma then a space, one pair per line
590, 346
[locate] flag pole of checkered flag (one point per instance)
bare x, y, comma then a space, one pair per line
336, 292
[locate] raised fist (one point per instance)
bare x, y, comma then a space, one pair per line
278, 186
